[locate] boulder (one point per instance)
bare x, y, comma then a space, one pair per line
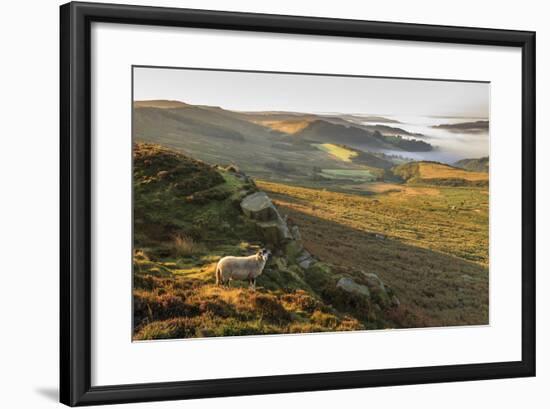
280, 263
293, 249
305, 260
163, 174
306, 263
258, 206
295, 231
274, 232
319, 268
395, 301
378, 290
374, 282
348, 285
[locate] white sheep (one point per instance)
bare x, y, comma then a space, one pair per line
241, 268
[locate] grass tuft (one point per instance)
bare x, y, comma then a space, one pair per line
184, 246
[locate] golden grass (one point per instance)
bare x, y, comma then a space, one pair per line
399, 191
437, 171
338, 152
183, 246
175, 307
431, 248
407, 215
288, 126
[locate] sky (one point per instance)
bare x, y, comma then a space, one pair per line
249, 91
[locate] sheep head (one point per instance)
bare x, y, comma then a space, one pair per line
263, 254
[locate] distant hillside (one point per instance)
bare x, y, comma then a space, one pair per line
471, 127
288, 126
164, 121
390, 130
476, 165
291, 124
160, 103
326, 132
263, 146
439, 174
155, 118
217, 136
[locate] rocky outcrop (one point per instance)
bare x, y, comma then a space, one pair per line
350, 286
259, 208
374, 282
305, 260
371, 288
292, 259
296, 235
294, 267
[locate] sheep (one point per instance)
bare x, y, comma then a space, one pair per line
241, 268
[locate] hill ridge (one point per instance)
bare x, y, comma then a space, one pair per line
437, 173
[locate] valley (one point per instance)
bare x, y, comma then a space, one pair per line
359, 205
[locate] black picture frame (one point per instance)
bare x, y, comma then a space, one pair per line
75, 203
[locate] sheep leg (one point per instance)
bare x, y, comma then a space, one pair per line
219, 279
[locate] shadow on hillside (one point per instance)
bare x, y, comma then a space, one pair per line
435, 289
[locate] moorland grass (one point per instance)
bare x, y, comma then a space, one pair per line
432, 248
429, 243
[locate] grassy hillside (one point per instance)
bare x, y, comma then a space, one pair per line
175, 195
291, 123
361, 237
162, 121
223, 137
430, 243
439, 174
467, 127
475, 165
187, 215
160, 103
153, 117
327, 132
290, 126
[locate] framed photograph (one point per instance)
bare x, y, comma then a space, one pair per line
259, 204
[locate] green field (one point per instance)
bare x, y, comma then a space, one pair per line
355, 175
